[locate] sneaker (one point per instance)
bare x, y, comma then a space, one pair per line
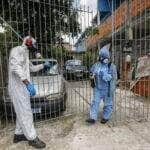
103, 121
91, 121
37, 143
19, 138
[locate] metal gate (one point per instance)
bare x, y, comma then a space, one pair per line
69, 36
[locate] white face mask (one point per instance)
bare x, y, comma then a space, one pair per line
106, 61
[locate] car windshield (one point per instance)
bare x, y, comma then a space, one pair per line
52, 71
73, 63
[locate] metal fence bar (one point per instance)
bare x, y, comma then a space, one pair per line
58, 27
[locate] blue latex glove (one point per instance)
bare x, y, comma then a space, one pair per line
31, 89
46, 65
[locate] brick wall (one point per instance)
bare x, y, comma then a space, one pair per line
120, 17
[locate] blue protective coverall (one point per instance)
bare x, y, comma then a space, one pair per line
105, 80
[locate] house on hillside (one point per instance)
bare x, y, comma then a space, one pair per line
126, 25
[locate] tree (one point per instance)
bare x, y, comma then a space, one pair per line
90, 31
60, 53
46, 20
89, 58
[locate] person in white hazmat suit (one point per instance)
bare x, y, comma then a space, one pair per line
20, 89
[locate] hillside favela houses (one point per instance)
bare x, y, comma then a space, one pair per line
125, 25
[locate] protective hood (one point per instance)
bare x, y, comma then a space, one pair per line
28, 40
104, 53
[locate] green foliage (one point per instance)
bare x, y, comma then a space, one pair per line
88, 32
8, 40
89, 58
95, 31
60, 53
44, 19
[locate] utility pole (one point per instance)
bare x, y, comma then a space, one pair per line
129, 27
98, 19
98, 13
113, 30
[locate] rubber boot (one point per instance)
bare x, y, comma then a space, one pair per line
90, 121
19, 138
37, 143
103, 121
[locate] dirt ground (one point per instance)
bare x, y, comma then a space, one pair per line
72, 133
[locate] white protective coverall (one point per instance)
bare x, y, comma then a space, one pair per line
19, 70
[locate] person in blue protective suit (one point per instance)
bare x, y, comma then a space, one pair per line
20, 89
105, 75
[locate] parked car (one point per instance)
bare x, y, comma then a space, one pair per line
50, 98
74, 69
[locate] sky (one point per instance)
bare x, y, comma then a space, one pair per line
92, 4
85, 18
